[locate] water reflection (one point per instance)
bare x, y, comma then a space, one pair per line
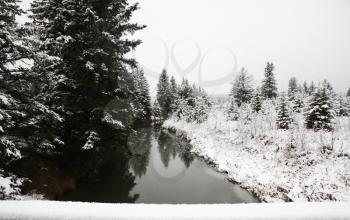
159, 170
139, 145
111, 184
169, 146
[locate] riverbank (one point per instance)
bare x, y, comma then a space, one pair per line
276, 165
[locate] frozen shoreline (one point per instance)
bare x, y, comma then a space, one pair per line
269, 170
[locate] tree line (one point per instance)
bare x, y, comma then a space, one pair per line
65, 82
319, 103
184, 101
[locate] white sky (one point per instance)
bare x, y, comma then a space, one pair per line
308, 39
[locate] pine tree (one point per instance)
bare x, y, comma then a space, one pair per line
88, 38
269, 84
292, 87
305, 88
242, 89
173, 93
348, 94
164, 95
173, 85
16, 102
328, 85
185, 91
320, 112
142, 96
298, 103
156, 112
341, 106
256, 101
283, 117
312, 88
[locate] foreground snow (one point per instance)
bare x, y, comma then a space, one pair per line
277, 165
36, 210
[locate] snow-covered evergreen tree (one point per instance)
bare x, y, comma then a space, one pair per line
284, 119
341, 106
142, 96
320, 112
312, 88
328, 85
156, 112
192, 103
256, 101
202, 107
173, 85
164, 95
292, 87
305, 88
174, 92
298, 103
269, 84
88, 38
242, 88
15, 102
348, 93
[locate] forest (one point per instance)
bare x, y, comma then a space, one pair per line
71, 101
68, 94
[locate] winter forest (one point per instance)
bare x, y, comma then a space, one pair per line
74, 108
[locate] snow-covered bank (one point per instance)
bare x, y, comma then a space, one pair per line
276, 165
37, 210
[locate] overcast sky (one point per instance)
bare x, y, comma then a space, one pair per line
208, 40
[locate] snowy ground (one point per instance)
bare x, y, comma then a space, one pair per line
277, 165
37, 210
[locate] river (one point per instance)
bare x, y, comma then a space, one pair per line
161, 170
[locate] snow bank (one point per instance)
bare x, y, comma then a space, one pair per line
37, 210
276, 165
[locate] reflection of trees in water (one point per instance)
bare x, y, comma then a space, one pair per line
139, 144
169, 146
187, 158
112, 184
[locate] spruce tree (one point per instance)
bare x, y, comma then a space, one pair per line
320, 112
88, 38
17, 106
142, 96
156, 112
348, 94
173, 85
164, 95
269, 84
283, 117
305, 88
312, 88
256, 101
174, 93
292, 87
328, 85
342, 106
242, 89
298, 103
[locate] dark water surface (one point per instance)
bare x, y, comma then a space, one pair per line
161, 170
